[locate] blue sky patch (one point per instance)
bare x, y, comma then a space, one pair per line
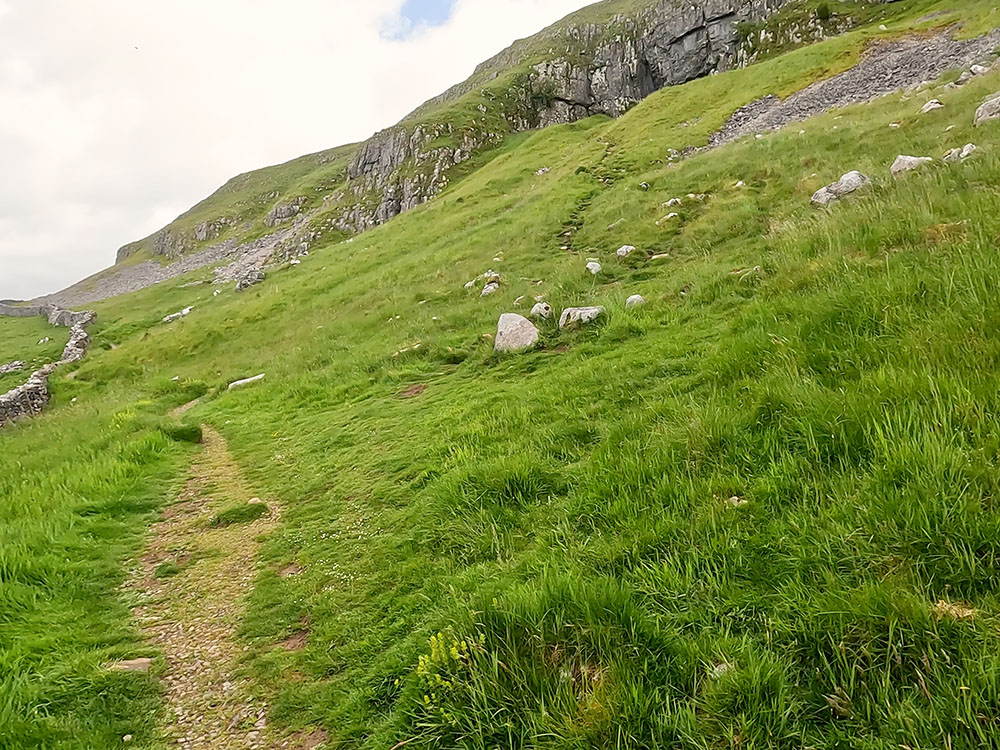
430, 12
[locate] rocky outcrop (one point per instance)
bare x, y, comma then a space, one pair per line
30, 398
603, 68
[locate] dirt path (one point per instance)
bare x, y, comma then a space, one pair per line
194, 581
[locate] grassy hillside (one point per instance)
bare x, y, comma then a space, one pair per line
758, 512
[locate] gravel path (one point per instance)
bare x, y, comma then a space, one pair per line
885, 68
192, 616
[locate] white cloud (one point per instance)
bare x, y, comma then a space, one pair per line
119, 114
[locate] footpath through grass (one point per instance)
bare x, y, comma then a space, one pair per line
760, 511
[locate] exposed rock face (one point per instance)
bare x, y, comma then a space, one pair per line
284, 211
604, 69
15, 366
250, 278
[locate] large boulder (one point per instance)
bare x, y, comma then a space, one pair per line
908, 163
573, 316
848, 183
515, 333
989, 110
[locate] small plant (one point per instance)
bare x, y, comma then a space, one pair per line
167, 570
239, 514
823, 12
182, 433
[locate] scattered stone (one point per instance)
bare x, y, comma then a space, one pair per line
740, 183
989, 110
541, 310
514, 333
255, 501
178, 315
931, 106
245, 381
697, 196
572, 316
492, 285
127, 738
635, 300
660, 256
543, 170
251, 278
908, 163
978, 70
672, 202
594, 267
644, 185
959, 154
625, 250
895, 125
847, 184
15, 366
737, 502
133, 665
46, 340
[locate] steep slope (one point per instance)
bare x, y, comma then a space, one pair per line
601, 60
758, 511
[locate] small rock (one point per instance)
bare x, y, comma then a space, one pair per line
989, 110
672, 202
635, 300
959, 154
644, 185
931, 106
978, 70
848, 183
178, 315
625, 250
737, 502
542, 310
44, 341
470, 284
740, 183
543, 170
594, 267
127, 738
245, 381
579, 315
255, 501
519, 300
515, 333
250, 278
660, 256
492, 285
883, 27
908, 163
895, 125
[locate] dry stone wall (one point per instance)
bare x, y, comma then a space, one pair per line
30, 398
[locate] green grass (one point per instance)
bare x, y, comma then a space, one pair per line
239, 514
19, 341
537, 550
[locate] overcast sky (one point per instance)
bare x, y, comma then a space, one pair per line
118, 115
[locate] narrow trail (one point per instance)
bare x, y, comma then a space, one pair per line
194, 580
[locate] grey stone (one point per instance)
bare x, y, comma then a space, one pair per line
908, 163
515, 333
636, 300
594, 267
847, 184
251, 278
960, 154
178, 315
542, 310
931, 106
625, 250
989, 110
15, 366
573, 316
245, 381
